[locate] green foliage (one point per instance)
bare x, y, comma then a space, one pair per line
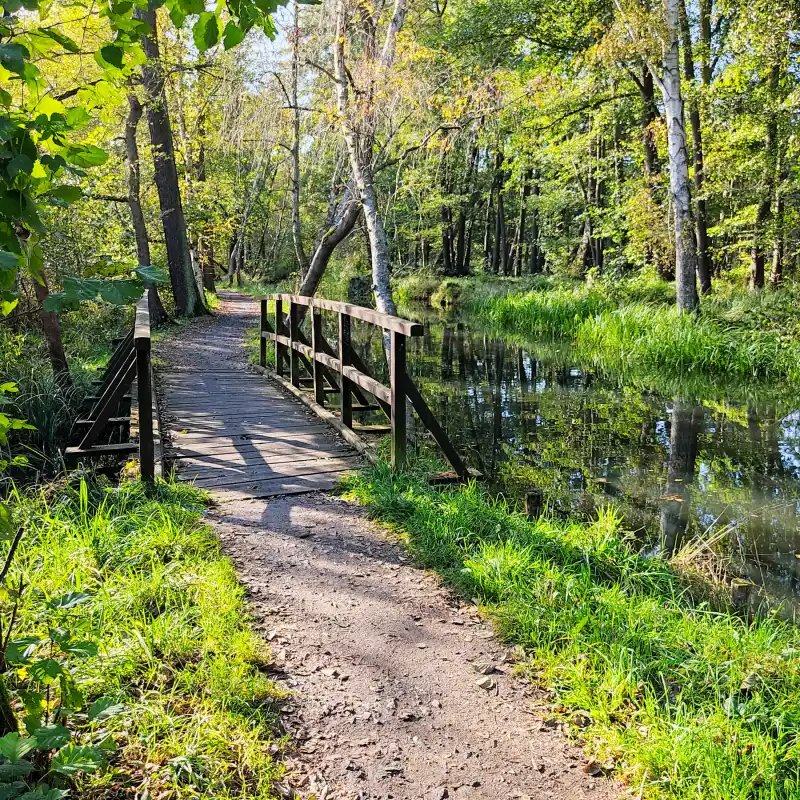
42, 159
638, 330
671, 691
129, 604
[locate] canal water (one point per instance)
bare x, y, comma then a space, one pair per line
678, 467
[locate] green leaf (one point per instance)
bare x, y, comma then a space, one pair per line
112, 54
20, 163
232, 36
20, 651
192, 6
77, 117
45, 793
63, 195
151, 274
104, 708
176, 14
60, 301
18, 770
8, 260
69, 600
120, 292
46, 670
86, 155
68, 44
10, 791
51, 737
12, 57
80, 649
71, 759
14, 747
205, 32
6, 527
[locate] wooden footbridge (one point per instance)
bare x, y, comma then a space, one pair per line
239, 434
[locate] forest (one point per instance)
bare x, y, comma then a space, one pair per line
592, 207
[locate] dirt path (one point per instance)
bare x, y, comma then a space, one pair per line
400, 691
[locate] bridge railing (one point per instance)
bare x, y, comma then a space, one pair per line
341, 370
130, 360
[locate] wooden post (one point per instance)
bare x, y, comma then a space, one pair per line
294, 361
145, 399
533, 504
397, 369
262, 342
280, 349
316, 340
740, 592
345, 359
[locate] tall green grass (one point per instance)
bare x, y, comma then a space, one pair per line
681, 699
176, 646
612, 328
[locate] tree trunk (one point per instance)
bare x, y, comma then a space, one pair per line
764, 210
349, 211
517, 255
465, 213
188, 299
705, 267
51, 327
359, 149
680, 188
297, 234
776, 275
648, 117
535, 259
158, 314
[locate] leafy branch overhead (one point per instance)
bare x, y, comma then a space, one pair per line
43, 158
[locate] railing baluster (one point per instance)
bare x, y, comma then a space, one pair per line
280, 349
397, 371
294, 361
262, 342
316, 338
345, 348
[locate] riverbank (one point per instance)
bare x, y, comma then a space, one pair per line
673, 694
149, 633
632, 326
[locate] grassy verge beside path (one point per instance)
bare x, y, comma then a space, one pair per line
166, 614
686, 700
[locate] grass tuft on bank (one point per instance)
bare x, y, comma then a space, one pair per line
172, 631
635, 327
687, 700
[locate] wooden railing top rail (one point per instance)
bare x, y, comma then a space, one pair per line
385, 321
141, 324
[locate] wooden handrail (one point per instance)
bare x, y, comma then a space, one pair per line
130, 359
345, 372
385, 321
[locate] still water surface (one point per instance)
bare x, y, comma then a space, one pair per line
676, 467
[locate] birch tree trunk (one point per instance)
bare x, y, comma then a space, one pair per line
680, 187
359, 141
302, 261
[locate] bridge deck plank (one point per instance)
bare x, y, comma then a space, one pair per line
236, 435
